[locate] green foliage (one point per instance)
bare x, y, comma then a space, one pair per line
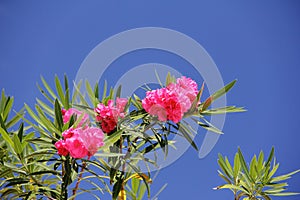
21, 173
31, 168
254, 181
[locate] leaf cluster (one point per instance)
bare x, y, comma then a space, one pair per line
255, 181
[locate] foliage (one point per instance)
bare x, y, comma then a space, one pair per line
255, 181
23, 174
31, 167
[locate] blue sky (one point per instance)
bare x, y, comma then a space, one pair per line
256, 42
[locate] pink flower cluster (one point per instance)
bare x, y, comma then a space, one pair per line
66, 114
108, 115
171, 102
80, 142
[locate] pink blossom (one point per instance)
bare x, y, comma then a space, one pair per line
108, 124
92, 139
182, 97
120, 105
172, 102
159, 111
163, 103
76, 147
72, 111
108, 115
68, 133
80, 142
61, 148
189, 87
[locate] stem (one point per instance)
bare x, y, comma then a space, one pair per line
62, 169
235, 195
79, 178
66, 170
121, 193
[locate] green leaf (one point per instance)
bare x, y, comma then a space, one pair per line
253, 164
78, 93
158, 79
67, 101
96, 90
284, 177
286, 194
228, 166
16, 181
185, 133
224, 177
227, 170
45, 107
209, 127
150, 148
26, 138
49, 98
197, 99
271, 156
216, 95
227, 109
48, 88
244, 165
104, 91
58, 115
142, 191
135, 185
111, 139
266, 197
67, 94
260, 161
15, 119
117, 188
66, 82
20, 132
111, 94
273, 171
32, 114
7, 191
6, 137
2, 100
2, 123
42, 152
168, 79
59, 90
90, 93
45, 122
234, 187
118, 93
44, 172
236, 166
7, 108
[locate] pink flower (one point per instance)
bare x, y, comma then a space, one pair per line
159, 111
76, 147
61, 148
80, 142
72, 111
108, 124
163, 103
182, 97
108, 115
68, 133
172, 102
120, 105
92, 139
189, 86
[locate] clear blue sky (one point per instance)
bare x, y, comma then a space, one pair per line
256, 42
